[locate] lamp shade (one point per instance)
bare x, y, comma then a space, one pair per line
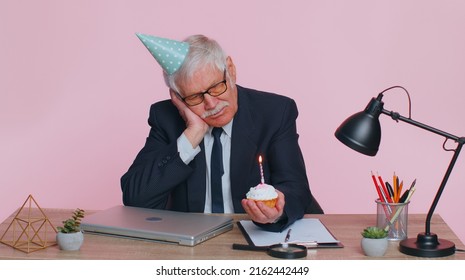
362, 131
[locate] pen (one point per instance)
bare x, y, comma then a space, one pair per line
381, 195
410, 193
413, 183
288, 235
384, 189
390, 190
399, 190
404, 196
378, 190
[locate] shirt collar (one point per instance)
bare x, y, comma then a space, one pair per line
226, 128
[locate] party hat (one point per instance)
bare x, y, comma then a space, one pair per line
170, 54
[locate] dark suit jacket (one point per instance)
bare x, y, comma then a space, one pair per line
265, 124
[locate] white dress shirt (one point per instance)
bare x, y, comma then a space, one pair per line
188, 153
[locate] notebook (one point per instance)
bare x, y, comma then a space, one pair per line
156, 225
309, 232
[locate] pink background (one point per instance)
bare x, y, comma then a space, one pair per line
76, 85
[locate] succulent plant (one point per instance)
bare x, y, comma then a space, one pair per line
374, 233
73, 224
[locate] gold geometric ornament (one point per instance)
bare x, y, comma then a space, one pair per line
30, 230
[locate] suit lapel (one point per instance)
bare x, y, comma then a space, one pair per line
243, 150
196, 184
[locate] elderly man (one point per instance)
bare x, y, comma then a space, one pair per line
202, 150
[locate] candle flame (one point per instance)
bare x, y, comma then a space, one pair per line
260, 159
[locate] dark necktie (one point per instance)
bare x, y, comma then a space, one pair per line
217, 171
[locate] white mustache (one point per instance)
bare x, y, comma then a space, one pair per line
215, 110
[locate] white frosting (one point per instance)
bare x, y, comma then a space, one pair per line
262, 192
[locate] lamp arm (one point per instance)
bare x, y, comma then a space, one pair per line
459, 140
396, 117
442, 186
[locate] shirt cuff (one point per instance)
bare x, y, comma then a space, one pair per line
186, 152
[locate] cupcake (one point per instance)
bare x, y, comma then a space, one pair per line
264, 193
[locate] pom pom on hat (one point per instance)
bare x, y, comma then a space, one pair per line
170, 54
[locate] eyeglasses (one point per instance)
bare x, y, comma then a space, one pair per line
215, 90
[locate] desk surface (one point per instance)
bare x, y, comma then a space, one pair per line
345, 227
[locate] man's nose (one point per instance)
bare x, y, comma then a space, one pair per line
210, 101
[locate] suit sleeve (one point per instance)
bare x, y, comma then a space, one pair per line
158, 168
287, 169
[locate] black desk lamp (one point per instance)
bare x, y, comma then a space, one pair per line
362, 132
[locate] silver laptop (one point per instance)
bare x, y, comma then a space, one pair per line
156, 225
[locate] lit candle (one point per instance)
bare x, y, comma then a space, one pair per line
261, 170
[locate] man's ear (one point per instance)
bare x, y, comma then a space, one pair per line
231, 69
174, 94
175, 98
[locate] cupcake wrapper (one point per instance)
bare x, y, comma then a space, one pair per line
270, 202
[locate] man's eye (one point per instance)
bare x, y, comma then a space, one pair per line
193, 97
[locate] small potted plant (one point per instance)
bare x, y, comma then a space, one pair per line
69, 236
374, 242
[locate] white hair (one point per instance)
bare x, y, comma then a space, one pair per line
203, 51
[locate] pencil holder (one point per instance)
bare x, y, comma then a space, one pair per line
393, 217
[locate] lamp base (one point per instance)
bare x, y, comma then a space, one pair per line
427, 245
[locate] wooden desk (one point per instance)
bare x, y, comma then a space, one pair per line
345, 227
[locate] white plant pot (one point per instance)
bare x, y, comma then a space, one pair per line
70, 241
374, 247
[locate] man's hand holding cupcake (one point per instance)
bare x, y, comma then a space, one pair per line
259, 204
